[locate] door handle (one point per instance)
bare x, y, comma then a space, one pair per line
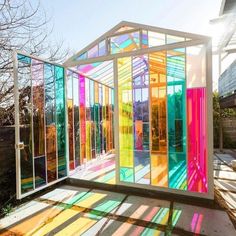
20, 145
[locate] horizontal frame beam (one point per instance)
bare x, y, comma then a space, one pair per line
138, 52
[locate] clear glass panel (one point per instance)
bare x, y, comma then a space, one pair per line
176, 90
126, 139
174, 39
156, 39
93, 52
196, 66
159, 160
102, 48
38, 123
25, 117
38, 108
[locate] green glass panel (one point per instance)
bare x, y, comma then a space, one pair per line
176, 91
126, 137
60, 121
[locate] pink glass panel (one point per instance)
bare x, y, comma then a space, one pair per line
197, 138
82, 119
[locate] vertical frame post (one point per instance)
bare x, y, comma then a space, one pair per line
17, 125
209, 119
66, 123
116, 119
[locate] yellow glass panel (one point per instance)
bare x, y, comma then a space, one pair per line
126, 139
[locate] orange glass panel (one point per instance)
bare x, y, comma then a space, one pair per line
159, 161
71, 133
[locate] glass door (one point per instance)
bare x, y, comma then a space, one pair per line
40, 113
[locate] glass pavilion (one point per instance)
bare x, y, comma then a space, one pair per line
141, 92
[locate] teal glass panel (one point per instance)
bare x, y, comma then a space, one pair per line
60, 120
176, 91
25, 117
50, 115
23, 59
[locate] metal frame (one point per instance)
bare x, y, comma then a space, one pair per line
195, 40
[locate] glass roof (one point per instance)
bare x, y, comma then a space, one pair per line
101, 72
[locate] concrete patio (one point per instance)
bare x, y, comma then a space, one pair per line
69, 210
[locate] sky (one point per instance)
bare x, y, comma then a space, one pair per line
79, 22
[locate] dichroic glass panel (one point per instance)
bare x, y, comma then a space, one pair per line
197, 140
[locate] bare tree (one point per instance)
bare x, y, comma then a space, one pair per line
25, 27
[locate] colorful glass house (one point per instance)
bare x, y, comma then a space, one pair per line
142, 91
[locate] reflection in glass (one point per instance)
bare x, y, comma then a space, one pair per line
51, 142
141, 119
25, 115
38, 108
40, 171
159, 161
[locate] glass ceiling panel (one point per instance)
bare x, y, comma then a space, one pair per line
174, 39
156, 39
101, 72
125, 42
